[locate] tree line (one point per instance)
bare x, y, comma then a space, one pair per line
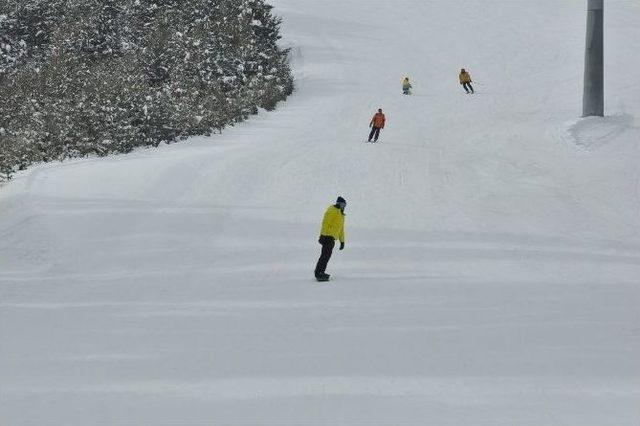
89, 77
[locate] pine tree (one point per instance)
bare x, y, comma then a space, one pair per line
89, 77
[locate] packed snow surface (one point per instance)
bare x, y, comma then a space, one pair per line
492, 267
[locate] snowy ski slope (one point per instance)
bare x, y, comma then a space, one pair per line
492, 269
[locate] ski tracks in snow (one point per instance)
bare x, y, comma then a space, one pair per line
489, 277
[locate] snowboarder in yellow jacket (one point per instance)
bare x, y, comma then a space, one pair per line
465, 80
332, 230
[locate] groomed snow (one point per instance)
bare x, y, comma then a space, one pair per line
492, 268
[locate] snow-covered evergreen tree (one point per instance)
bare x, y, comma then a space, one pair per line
84, 77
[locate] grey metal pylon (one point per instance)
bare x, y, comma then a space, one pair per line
593, 96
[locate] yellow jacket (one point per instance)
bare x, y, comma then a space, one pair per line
333, 223
465, 77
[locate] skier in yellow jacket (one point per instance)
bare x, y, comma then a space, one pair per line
406, 86
465, 80
332, 230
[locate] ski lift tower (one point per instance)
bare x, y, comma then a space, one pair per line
593, 96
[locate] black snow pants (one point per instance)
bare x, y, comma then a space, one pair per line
375, 133
467, 87
328, 243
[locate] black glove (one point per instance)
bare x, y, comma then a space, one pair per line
341, 245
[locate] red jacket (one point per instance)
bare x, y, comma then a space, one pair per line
378, 120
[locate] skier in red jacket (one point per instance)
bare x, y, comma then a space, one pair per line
377, 123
